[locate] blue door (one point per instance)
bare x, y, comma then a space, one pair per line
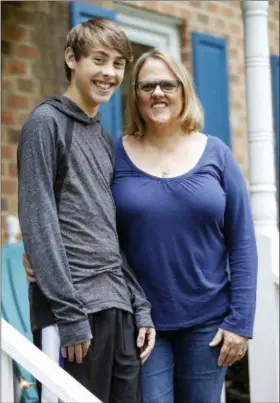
211, 81
111, 112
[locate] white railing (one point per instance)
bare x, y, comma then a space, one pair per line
263, 349
223, 396
16, 347
277, 297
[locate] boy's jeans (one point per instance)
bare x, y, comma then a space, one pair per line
182, 368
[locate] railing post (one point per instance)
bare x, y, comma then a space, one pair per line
7, 379
263, 348
12, 228
223, 395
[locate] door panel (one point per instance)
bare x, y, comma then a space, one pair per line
211, 80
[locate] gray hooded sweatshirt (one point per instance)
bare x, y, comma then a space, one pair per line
68, 224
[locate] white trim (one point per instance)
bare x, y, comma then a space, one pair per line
276, 278
7, 379
43, 368
223, 394
50, 345
155, 16
12, 228
143, 28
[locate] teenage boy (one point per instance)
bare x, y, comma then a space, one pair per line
67, 218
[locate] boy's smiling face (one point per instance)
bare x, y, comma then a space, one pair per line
96, 76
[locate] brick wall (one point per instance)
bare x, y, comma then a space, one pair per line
273, 26
33, 35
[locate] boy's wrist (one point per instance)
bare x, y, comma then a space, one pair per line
144, 320
74, 333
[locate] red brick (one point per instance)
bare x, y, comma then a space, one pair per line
8, 118
8, 153
3, 220
15, 67
233, 53
33, 102
212, 7
28, 6
13, 170
203, 18
48, 88
227, 12
17, 101
4, 168
236, 28
151, 5
237, 105
6, 48
241, 69
22, 118
3, 237
13, 136
272, 25
7, 84
27, 52
9, 186
276, 15
235, 4
44, 7
219, 23
24, 17
234, 79
15, 32
4, 137
186, 14
13, 207
4, 204
196, 4
25, 85
169, 9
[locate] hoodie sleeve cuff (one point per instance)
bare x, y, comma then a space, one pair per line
74, 333
144, 320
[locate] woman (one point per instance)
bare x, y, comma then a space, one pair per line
182, 214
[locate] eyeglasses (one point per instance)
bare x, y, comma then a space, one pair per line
166, 86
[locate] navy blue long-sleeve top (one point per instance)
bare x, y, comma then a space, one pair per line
190, 240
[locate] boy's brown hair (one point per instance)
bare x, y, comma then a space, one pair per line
85, 36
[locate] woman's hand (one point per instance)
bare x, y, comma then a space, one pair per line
146, 342
233, 349
28, 270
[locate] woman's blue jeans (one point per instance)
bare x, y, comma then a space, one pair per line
182, 368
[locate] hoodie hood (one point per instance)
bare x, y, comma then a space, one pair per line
70, 109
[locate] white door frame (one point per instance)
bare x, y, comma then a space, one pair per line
150, 29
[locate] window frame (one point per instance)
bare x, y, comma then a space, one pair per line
150, 29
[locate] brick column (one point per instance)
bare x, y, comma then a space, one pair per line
19, 94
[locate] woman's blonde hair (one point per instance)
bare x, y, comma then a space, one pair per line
192, 114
